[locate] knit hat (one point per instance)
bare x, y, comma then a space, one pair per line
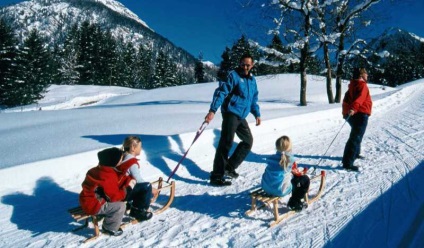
109, 157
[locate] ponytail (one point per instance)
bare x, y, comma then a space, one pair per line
283, 145
284, 161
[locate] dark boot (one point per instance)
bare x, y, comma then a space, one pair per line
219, 182
113, 233
300, 185
231, 173
351, 168
296, 204
140, 214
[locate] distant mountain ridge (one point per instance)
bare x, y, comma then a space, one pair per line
53, 18
396, 41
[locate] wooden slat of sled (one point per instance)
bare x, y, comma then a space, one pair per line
78, 214
259, 195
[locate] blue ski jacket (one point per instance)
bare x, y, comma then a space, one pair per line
238, 95
276, 180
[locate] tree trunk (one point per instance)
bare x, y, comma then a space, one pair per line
304, 55
303, 83
303, 78
339, 69
328, 75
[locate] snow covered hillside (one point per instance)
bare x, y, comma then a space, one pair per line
45, 155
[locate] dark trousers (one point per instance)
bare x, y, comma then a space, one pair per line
231, 125
140, 196
300, 186
358, 123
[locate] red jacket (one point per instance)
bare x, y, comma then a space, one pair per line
357, 98
113, 182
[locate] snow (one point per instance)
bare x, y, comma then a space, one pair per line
45, 155
209, 64
121, 9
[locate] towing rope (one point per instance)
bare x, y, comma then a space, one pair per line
198, 133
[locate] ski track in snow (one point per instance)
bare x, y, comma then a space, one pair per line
393, 146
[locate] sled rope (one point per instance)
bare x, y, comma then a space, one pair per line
198, 133
333, 141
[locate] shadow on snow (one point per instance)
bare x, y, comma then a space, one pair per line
43, 211
157, 149
399, 213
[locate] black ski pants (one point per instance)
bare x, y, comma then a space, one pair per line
358, 123
140, 196
231, 125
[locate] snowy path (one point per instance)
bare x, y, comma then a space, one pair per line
382, 206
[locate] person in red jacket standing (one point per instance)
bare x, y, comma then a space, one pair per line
105, 189
357, 105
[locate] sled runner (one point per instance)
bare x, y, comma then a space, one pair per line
161, 186
268, 200
79, 215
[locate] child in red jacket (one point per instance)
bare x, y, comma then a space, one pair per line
104, 190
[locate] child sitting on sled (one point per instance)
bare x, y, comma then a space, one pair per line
104, 190
143, 189
277, 180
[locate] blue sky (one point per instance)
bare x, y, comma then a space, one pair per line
207, 27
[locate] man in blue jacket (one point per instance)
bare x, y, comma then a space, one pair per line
237, 96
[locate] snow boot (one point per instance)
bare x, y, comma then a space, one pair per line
300, 185
113, 233
296, 204
351, 168
140, 214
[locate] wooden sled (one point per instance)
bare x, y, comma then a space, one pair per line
267, 200
78, 214
160, 185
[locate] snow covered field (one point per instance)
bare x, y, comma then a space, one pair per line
45, 154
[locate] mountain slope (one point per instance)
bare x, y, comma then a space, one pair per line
53, 18
396, 41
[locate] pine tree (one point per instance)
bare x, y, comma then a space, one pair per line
275, 63
231, 57
68, 58
108, 57
144, 65
170, 77
7, 65
86, 53
225, 66
128, 76
199, 71
34, 60
240, 48
278, 45
103, 57
158, 79
55, 63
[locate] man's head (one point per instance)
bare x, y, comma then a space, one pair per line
246, 64
360, 73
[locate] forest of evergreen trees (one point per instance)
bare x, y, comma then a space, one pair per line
92, 56
88, 56
400, 67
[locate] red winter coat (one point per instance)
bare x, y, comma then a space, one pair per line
113, 182
357, 98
